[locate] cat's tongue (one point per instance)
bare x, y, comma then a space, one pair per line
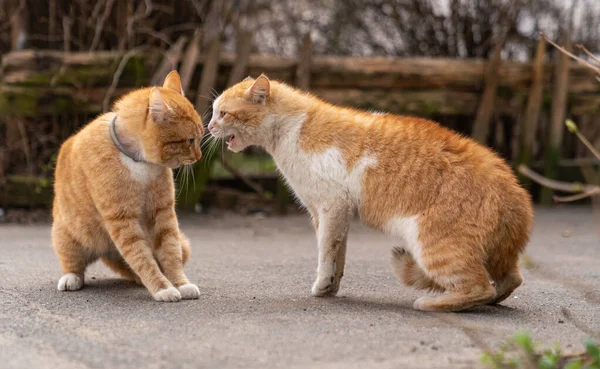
231, 141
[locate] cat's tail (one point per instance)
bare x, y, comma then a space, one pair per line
407, 270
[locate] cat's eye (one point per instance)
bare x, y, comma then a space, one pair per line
191, 141
222, 114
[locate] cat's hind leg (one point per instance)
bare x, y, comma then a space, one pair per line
405, 268
186, 250
118, 265
506, 284
73, 257
458, 270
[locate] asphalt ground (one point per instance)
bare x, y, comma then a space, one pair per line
256, 311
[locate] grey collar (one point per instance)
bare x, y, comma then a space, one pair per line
113, 134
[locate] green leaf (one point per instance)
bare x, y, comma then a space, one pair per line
523, 339
548, 361
571, 126
592, 349
575, 364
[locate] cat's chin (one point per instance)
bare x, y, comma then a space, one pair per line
235, 144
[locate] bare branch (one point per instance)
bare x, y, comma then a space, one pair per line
100, 24
250, 183
574, 187
580, 196
576, 58
588, 53
572, 127
128, 55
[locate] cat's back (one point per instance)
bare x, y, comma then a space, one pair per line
77, 155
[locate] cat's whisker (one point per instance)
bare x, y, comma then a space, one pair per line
207, 97
191, 166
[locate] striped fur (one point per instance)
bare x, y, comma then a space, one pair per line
111, 208
456, 206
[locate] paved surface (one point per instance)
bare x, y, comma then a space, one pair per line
256, 311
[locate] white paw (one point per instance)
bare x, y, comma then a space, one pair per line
70, 282
324, 287
189, 291
170, 294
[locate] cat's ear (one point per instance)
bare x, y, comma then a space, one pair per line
248, 79
173, 82
260, 90
159, 109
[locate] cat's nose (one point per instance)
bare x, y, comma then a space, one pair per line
211, 125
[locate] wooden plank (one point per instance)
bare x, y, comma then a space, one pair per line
481, 126
534, 106
557, 118
326, 72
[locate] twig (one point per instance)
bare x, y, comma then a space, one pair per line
100, 24
564, 51
128, 55
585, 50
553, 184
572, 127
139, 16
580, 196
255, 186
159, 35
25, 141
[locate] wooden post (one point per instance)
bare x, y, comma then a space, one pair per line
190, 60
19, 26
557, 117
209, 75
169, 62
532, 112
67, 23
304, 63
243, 49
481, 126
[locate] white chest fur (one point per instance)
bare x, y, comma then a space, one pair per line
143, 173
318, 179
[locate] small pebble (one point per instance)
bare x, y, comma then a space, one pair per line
567, 233
560, 321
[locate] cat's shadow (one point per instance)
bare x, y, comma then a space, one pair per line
357, 303
110, 284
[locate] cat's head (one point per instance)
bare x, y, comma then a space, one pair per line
172, 131
240, 112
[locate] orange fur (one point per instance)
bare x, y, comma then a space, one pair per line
473, 218
108, 206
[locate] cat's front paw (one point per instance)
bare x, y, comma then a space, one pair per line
189, 291
70, 282
325, 287
170, 294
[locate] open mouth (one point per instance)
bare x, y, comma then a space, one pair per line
230, 139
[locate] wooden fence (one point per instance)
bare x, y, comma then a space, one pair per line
46, 95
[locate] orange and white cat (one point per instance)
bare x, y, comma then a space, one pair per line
456, 207
115, 195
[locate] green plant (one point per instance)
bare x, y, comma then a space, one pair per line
521, 352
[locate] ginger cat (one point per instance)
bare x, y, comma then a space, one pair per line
454, 205
115, 194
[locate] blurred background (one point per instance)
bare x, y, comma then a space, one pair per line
479, 67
